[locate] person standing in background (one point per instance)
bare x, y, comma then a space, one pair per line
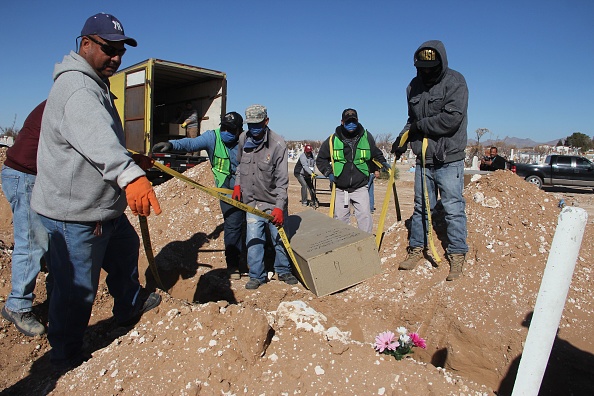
304, 171
344, 158
493, 162
189, 120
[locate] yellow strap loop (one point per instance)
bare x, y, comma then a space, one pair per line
380, 227
148, 249
391, 186
428, 206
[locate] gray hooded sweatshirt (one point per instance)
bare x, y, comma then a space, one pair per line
82, 161
439, 112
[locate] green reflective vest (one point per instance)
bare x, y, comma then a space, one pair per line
362, 155
221, 163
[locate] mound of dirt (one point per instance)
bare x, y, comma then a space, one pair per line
212, 336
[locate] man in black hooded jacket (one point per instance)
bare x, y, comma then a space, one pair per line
352, 148
437, 118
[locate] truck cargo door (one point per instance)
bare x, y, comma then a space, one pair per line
134, 110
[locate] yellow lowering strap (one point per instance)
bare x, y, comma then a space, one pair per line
391, 182
240, 205
380, 227
428, 205
148, 249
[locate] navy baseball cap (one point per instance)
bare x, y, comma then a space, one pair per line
107, 27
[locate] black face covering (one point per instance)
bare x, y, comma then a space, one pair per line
429, 76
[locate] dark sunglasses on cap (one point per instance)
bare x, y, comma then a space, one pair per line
108, 49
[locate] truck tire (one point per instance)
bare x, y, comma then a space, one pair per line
537, 181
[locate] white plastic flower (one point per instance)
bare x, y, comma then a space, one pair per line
404, 339
401, 330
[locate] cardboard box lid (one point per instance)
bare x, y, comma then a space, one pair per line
321, 234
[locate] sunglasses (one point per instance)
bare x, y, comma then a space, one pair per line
108, 49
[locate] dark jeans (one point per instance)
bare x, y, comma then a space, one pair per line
77, 256
306, 185
234, 221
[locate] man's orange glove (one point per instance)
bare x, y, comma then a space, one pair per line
141, 197
236, 193
278, 217
143, 161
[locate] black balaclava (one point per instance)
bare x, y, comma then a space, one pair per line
429, 65
430, 78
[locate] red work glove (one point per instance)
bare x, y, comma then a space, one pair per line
143, 161
141, 197
278, 217
236, 193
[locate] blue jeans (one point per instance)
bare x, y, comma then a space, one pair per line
255, 241
370, 188
233, 221
30, 239
448, 180
77, 256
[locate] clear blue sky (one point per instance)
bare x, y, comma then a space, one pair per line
528, 64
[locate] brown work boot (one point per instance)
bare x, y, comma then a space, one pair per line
456, 263
413, 258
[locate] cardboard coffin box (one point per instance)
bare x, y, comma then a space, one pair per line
332, 255
176, 129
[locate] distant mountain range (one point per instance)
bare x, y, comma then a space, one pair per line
513, 141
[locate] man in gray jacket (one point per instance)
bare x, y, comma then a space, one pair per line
262, 181
85, 177
437, 113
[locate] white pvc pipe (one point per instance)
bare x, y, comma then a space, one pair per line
550, 300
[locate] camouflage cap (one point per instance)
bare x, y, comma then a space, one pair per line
255, 114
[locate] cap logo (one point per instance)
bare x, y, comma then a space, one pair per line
427, 55
117, 25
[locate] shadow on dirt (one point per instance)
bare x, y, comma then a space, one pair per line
570, 370
179, 260
42, 377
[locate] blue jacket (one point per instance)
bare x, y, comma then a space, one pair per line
206, 141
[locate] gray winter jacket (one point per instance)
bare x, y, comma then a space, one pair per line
82, 161
263, 173
438, 112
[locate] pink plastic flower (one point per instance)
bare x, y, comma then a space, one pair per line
417, 340
386, 340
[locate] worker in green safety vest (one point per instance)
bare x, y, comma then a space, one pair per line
344, 158
221, 146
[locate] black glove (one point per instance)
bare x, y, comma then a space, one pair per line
398, 150
162, 147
